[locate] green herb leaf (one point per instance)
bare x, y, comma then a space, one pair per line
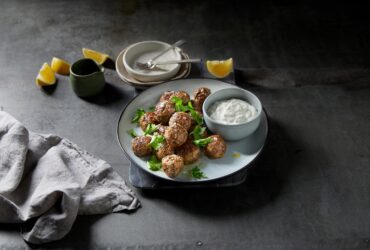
184, 109
176, 99
196, 116
197, 173
157, 141
202, 142
154, 164
179, 106
139, 113
132, 133
178, 103
150, 129
190, 105
198, 132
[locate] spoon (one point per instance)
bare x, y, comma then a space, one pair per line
154, 65
149, 62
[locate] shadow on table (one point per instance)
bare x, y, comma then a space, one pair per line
49, 90
111, 94
264, 181
9, 227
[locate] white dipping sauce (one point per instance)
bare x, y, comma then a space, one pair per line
232, 111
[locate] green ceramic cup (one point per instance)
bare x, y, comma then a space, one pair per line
87, 77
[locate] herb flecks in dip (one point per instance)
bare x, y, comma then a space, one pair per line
232, 111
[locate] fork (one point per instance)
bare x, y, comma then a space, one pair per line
176, 44
154, 65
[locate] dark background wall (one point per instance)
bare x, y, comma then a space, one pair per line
269, 34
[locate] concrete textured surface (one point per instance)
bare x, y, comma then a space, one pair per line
307, 62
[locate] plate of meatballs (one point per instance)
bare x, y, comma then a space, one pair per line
162, 131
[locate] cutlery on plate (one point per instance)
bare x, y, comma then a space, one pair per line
149, 62
154, 65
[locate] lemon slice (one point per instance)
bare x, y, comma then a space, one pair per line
220, 69
60, 66
98, 57
46, 76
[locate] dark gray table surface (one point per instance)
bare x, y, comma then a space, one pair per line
307, 62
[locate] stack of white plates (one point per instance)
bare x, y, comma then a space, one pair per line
123, 73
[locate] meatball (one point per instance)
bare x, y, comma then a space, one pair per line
166, 96
164, 111
161, 129
183, 96
176, 135
146, 119
172, 165
216, 148
189, 152
199, 96
140, 146
164, 150
182, 119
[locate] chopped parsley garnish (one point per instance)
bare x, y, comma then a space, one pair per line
202, 142
198, 132
150, 129
179, 106
154, 164
198, 118
157, 141
195, 114
190, 105
132, 133
197, 173
139, 113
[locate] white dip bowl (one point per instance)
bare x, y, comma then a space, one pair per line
232, 132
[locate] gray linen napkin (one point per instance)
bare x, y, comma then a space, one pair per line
45, 181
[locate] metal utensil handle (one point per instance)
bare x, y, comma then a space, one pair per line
179, 61
178, 43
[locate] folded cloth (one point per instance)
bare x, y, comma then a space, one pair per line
45, 181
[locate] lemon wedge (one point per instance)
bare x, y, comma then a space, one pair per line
98, 57
46, 76
60, 66
220, 69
